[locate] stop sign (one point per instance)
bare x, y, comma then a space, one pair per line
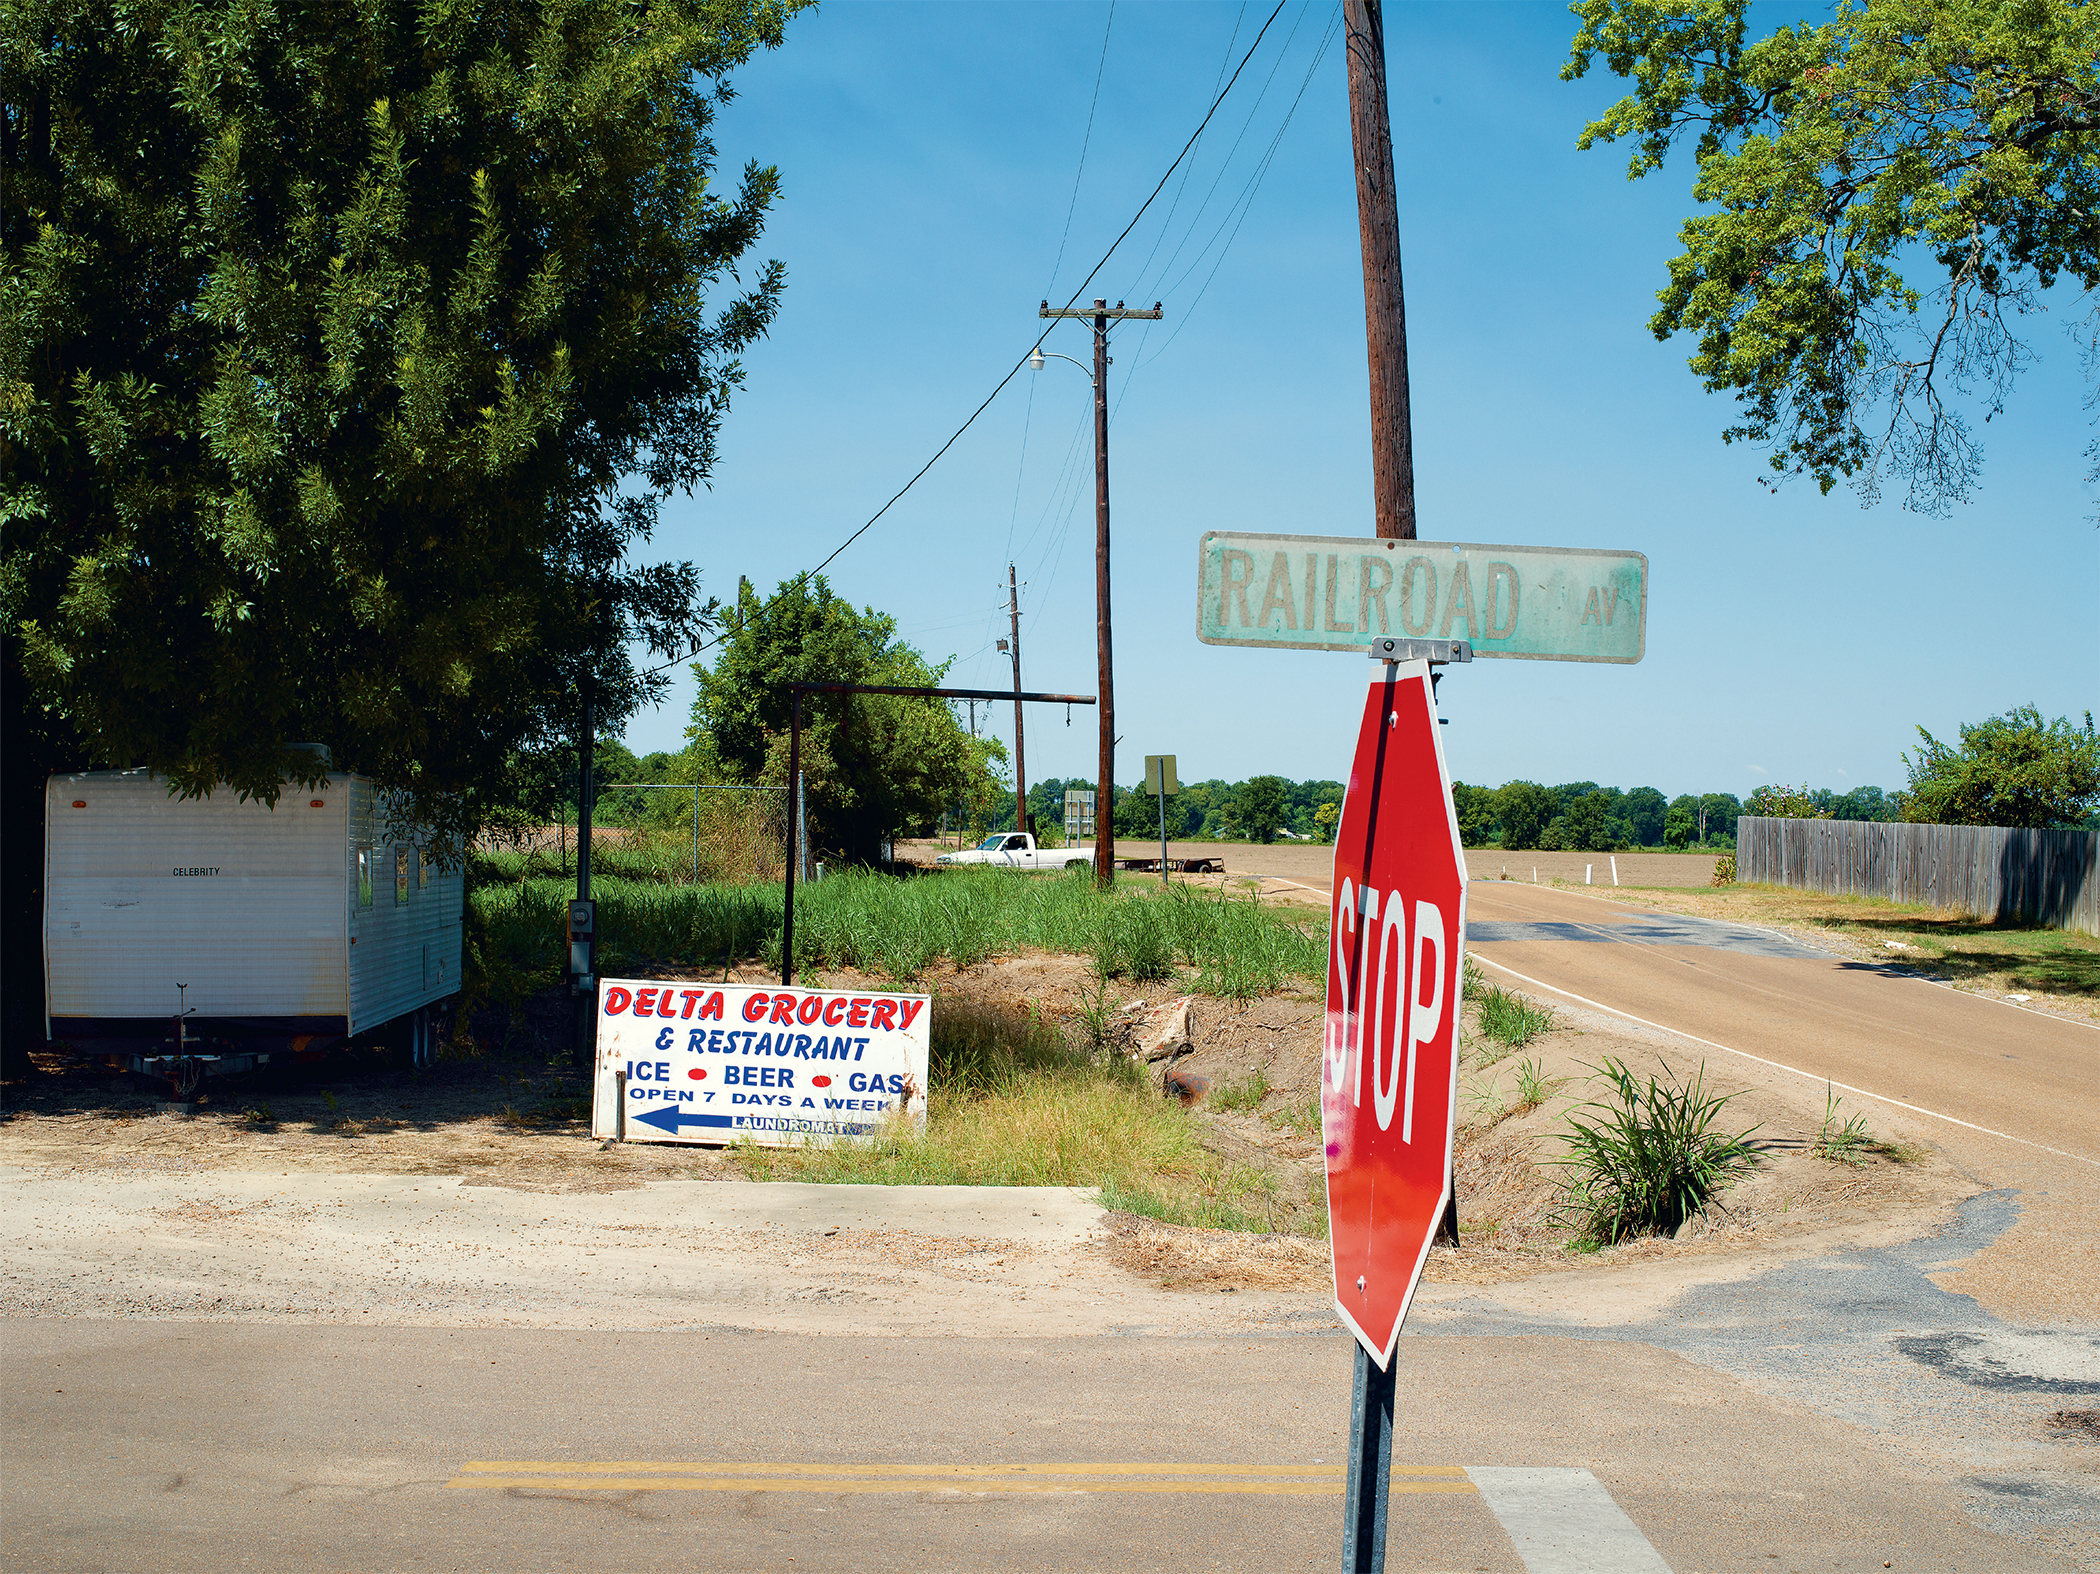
1389, 1087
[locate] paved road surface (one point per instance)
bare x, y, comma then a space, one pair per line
196, 1446
2020, 1073
1853, 1412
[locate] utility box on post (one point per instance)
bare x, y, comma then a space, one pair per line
583, 945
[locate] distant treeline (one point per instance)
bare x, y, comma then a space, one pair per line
1518, 815
1578, 816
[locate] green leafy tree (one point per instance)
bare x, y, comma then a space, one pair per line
1137, 815
1681, 824
2013, 770
1261, 807
1586, 825
1864, 803
874, 765
1325, 819
1718, 812
338, 414
346, 354
1834, 162
1644, 814
1475, 808
1524, 810
1775, 800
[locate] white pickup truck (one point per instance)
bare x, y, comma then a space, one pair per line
1017, 850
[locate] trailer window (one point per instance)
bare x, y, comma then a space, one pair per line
422, 867
364, 877
401, 877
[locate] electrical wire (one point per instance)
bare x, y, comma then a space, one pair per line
1084, 143
1014, 371
1243, 205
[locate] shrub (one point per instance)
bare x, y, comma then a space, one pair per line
1724, 869
1650, 1158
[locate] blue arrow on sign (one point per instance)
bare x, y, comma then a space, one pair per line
672, 1116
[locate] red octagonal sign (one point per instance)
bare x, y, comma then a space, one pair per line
1389, 1087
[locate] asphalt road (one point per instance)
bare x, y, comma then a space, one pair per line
2023, 1074
1871, 1409
200, 1446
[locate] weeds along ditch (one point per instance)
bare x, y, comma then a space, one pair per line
1015, 1103
1017, 1098
894, 927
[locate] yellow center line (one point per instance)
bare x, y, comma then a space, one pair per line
723, 1467
980, 1485
725, 1476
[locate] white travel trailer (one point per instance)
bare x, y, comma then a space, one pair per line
279, 930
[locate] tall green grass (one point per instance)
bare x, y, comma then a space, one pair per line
895, 927
1648, 1159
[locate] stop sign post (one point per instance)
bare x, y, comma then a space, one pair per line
1389, 1074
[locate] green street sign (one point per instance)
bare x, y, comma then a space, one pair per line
1343, 592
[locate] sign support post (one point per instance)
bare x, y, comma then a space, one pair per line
1370, 1467
1159, 781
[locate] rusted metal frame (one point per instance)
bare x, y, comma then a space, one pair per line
795, 829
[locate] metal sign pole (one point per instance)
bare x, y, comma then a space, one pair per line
1370, 1467
794, 850
1162, 830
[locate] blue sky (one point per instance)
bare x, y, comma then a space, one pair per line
928, 156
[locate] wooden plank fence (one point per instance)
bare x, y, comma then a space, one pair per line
2048, 877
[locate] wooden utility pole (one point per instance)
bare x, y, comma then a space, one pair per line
1105, 788
1013, 605
1385, 309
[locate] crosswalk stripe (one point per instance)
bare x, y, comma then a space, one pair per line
1564, 1522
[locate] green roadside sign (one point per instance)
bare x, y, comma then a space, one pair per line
1343, 592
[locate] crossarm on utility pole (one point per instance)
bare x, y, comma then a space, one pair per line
942, 694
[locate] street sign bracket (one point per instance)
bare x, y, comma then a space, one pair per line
1437, 652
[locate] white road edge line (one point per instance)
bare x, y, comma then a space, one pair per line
1727, 1049
1564, 1522
1892, 966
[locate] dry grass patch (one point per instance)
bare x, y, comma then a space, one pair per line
1177, 1258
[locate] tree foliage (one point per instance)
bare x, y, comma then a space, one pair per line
1525, 809
2013, 770
1261, 808
874, 765
1776, 800
345, 356
1835, 162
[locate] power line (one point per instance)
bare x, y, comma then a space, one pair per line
1245, 204
1173, 207
1084, 143
1015, 370
1232, 152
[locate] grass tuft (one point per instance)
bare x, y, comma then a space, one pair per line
1299, 1116
1511, 1020
1851, 1143
1242, 1093
1534, 1087
1650, 1159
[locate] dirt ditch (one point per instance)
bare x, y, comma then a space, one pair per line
522, 1124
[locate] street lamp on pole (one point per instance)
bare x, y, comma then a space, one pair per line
1105, 784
